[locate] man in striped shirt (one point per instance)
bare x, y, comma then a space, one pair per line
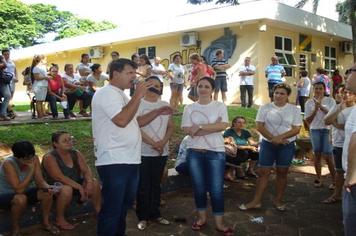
274, 74
220, 66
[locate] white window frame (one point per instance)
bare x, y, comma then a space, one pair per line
329, 59
284, 52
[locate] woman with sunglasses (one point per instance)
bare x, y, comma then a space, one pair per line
22, 183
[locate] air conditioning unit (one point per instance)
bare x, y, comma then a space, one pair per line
189, 39
96, 52
346, 47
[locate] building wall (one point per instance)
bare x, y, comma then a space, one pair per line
250, 42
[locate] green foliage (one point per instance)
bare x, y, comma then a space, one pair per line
18, 28
76, 26
24, 25
343, 8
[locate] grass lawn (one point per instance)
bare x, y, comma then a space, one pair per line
40, 134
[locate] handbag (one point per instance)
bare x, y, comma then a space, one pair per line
5, 77
230, 149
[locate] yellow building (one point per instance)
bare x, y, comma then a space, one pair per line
299, 38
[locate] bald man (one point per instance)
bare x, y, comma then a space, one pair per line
349, 163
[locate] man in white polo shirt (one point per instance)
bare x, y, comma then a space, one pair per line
349, 163
117, 144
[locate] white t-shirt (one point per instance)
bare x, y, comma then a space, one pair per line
113, 144
279, 120
84, 68
41, 70
350, 128
338, 135
159, 68
248, 79
178, 73
98, 83
205, 114
156, 129
318, 121
71, 80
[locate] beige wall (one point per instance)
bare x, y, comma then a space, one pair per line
250, 42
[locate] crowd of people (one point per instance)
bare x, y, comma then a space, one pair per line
131, 138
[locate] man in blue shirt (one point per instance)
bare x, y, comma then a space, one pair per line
274, 74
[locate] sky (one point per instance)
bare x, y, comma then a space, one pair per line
124, 12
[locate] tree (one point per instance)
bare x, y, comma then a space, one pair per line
231, 2
25, 25
18, 28
302, 3
75, 26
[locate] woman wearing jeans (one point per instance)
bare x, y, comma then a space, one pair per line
278, 122
315, 111
203, 121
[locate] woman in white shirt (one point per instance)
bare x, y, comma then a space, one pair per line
154, 153
40, 82
96, 79
315, 111
176, 73
337, 117
203, 121
279, 123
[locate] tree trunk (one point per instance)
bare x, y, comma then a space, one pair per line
353, 25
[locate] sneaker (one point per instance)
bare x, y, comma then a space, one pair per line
162, 221
332, 186
142, 225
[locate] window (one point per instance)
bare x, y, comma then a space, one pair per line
330, 59
141, 51
283, 50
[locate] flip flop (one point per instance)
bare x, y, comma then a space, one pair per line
67, 226
331, 200
196, 226
52, 229
243, 207
226, 232
281, 207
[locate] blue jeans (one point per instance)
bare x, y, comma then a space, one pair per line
53, 105
349, 211
6, 95
120, 182
207, 174
280, 155
320, 140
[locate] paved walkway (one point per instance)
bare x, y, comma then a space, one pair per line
305, 216
25, 117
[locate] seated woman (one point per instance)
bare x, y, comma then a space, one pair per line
17, 188
246, 147
66, 165
181, 164
56, 93
96, 79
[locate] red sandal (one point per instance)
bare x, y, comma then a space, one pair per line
196, 226
226, 232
